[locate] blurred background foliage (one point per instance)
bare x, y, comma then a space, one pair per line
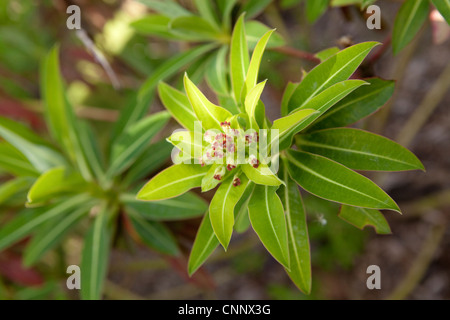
414, 260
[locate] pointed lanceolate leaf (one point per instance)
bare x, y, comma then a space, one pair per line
443, 7
362, 217
41, 156
156, 25
186, 206
322, 102
61, 119
95, 256
315, 8
261, 175
32, 218
154, 234
132, 143
334, 70
359, 150
178, 105
332, 181
51, 234
267, 217
357, 105
286, 126
241, 210
251, 102
14, 162
204, 245
221, 209
239, 58
11, 187
194, 28
168, 8
207, 112
207, 10
298, 239
255, 62
54, 182
288, 91
409, 20
216, 73
173, 182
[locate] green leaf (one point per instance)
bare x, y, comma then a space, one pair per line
186, 206
178, 105
51, 233
173, 182
315, 8
334, 70
221, 209
208, 181
95, 256
239, 58
194, 28
288, 125
340, 3
253, 8
133, 141
267, 217
288, 91
153, 158
255, 62
298, 239
14, 162
357, 105
327, 53
225, 8
409, 20
54, 182
168, 8
154, 234
322, 102
60, 116
171, 66
208, 113
254, 30
251, 102
156, 25
360, 150
31, 219
241, 210
9, 188
443, 7
362, 217
189, 143
204, 245
216, 73
332, 181
261, 175
38, 153
206, 8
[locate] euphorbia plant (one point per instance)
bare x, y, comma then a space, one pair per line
241, 151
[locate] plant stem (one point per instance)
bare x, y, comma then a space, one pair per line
296, 53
